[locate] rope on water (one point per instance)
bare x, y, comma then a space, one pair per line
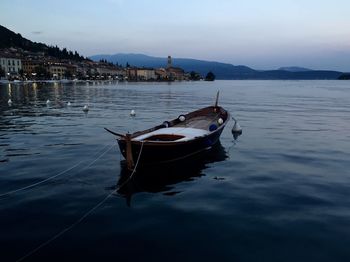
57, 175
82, 217
64, 230
234, 143
93, 162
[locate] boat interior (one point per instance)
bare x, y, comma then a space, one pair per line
185, 127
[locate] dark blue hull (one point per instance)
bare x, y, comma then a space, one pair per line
153, 152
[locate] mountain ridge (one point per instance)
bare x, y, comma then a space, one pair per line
221, 70
294, 69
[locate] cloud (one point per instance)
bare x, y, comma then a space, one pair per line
37, 32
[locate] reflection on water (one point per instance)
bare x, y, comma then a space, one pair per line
163, 178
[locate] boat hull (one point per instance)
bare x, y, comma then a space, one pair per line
155, 152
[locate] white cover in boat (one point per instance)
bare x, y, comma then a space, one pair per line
188, 133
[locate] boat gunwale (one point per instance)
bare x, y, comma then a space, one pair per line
175, 143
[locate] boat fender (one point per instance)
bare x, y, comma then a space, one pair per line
220, 121
213, 127
166, 124
182, 118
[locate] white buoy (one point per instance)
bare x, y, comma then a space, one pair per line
9, 102
220, 121
48, 101
236, 129
69, 104
182, 118
86, 108
133, 113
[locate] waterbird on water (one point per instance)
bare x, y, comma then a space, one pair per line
133, 113
68, 104
9, 102
86, 108
48, 101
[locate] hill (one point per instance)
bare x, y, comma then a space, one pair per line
294, 69
221, 70
345, 76
10, 39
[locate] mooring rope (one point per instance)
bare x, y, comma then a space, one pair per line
93, 162
86, 214
65, 230
233, 143
57, 175
134, 171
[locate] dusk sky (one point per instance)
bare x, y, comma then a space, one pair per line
260, 34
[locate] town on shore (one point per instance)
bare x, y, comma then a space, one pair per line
17, 64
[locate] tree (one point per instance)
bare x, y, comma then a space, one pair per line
210, 76
64, 51
76, 56
194, 76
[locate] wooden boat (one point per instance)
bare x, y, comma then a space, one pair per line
174, 140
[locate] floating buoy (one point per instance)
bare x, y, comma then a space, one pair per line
9, 102
69, 104
48, 101
182, 118
220, 121
133, 113
86, 108
236, 129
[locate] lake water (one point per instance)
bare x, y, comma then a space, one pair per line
280, 192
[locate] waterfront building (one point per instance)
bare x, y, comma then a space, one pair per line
11, 65
175, 73
161, 74
57, 70
71, 70
29, 66
109, 71
131, 73
145, 74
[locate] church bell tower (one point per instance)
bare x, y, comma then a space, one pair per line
169, 62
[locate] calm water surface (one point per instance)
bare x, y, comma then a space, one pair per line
278, 193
